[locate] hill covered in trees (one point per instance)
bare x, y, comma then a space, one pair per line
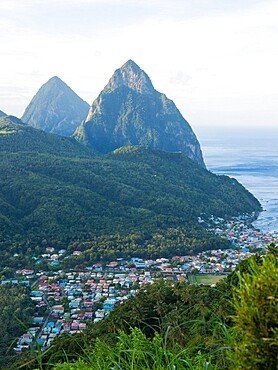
55, 191
18, 137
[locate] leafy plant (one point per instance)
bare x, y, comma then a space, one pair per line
256, 317
135, 351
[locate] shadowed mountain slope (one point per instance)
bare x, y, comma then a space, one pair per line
56, 108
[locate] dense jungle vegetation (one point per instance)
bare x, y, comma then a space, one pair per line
54, 191
16, 312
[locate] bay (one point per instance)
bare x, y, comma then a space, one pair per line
251, 156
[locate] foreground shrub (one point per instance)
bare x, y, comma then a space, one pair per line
256, 318
137, 352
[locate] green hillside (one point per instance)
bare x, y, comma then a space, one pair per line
15, 136
53, 191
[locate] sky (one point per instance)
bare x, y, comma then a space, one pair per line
216, 59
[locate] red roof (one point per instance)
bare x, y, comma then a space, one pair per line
27, 336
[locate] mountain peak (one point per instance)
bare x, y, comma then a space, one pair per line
129, 111
56, 108
55, 83
55, 79
130, 64
132, 76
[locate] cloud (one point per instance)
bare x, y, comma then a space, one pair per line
200, 55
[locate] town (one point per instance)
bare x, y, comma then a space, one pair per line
68, 301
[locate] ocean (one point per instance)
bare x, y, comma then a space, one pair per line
251, 156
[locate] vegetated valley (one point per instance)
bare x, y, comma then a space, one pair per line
150, 198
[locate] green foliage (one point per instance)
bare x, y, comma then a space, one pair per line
135, 351
16, 311
256, 318
53, 191
21, 138
191, 322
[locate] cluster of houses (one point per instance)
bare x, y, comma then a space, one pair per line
71, 300
242, 234
54, 257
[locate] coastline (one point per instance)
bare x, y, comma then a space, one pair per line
251, 157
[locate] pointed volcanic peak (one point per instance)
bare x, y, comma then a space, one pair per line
56, 108
129, 111
132, 76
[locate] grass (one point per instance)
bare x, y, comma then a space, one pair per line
135, 351
205, 279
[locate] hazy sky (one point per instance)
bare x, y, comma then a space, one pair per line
217, 59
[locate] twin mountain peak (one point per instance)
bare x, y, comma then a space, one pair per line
128, 111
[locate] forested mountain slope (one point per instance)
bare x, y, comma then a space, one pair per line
54, 190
